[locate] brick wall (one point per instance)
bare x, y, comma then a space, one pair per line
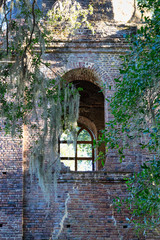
11, 187
83, 209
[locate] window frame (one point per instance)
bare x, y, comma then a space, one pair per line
76, 158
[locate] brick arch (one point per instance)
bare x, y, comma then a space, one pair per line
89, 124
88, 75
92, 74
84, 74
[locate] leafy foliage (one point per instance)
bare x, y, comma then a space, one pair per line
136, 110
144, 198
67, 16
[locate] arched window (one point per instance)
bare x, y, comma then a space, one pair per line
82, 157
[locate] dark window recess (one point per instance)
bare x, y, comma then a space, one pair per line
4, 173
1, 224
125, 226
68, 226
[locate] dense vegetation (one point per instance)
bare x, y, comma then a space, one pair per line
136, 110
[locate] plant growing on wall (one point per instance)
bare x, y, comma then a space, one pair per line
46, 105
136, 110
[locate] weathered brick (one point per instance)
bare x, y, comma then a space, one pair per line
24, 214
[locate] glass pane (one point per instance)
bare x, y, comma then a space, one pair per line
67, 150
69, 163
84, 150
84, 165
84, 136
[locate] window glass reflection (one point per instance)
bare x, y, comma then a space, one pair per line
84, 136
67, 150
84, 165
84, 150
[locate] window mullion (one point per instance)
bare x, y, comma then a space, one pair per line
76, 159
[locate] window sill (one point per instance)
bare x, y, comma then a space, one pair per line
96, 176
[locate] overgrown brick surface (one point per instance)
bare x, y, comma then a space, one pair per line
83, 207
